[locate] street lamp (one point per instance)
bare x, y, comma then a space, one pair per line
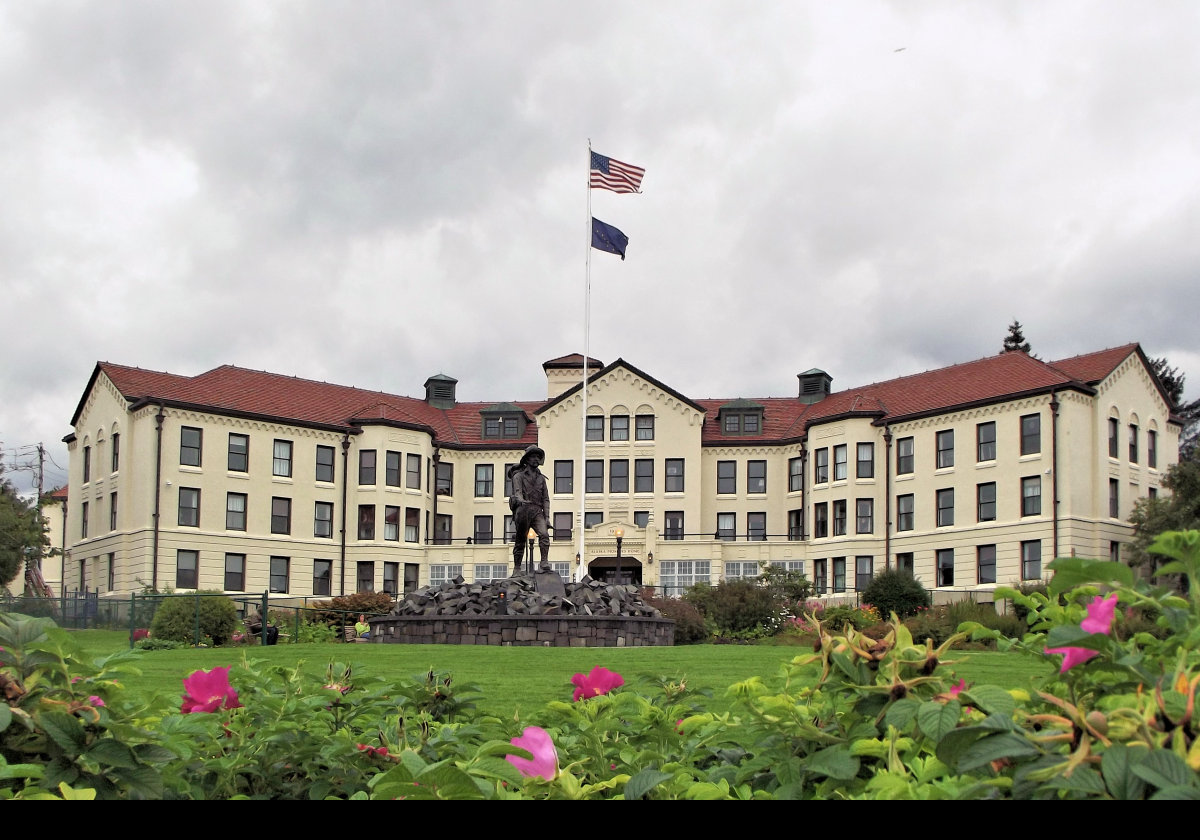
529, 538
620, 535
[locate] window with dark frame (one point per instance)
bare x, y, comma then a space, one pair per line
323, 520
945, 566
280, 574
483, 530
485, 480
366, 466
189, 507
391, 523
840, 462
905, 456
645, 427
674, 475
618, 427
1031, 560
235, 511
443, 529
985, 501
985, 441
1152, 449
866, 461
322, 577
190, 444
412, 471
905, 512
595, 427
618, 475
820, 520
726, 526
756, 526
1133, 443
839, 574
864, 516
1031, 434
673, 525
593, 479
281, 458
445, 478
391, 578
391, 468
839, 517
1114, 430
756, 476
1114, 498
412, 525
564, 478
87, 463
985, 563
795, 475
563, 526
281, 515
945, 507
187, 562
795, 524
726, 477
1031, 495
235, 572
325, 455
238, 459
366, 522
864, 572
116, 455
643, 475
112, 511
945, 449
821, 466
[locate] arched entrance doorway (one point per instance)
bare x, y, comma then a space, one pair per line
606, 569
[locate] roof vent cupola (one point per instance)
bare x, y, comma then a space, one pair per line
814, 385
439, 390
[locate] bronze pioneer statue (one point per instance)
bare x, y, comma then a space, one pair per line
530, 504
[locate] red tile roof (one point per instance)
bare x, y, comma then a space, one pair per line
288, 399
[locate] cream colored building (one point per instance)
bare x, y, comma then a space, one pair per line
972, 476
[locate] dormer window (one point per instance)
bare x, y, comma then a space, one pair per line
503, 420
741, 417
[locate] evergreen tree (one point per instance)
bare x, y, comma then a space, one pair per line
20, 528
1172, 381
1015, 340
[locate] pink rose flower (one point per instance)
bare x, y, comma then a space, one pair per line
599, 681
208, 691
545, 757
1072, 656
1100, 614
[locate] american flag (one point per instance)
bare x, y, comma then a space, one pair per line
609, 174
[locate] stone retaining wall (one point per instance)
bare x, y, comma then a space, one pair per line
524, 630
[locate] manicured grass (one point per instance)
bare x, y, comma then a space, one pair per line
520, 680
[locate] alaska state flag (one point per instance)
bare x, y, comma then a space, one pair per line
608, 238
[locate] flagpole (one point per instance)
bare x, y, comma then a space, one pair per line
581, 476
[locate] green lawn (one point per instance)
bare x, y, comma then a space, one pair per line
522, 679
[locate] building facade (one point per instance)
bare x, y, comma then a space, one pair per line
971, 476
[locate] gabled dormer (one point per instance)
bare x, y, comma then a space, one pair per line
740, 418
503, 421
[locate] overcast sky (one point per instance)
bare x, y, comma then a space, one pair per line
370, 193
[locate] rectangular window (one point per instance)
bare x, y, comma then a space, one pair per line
840, 456
485, 480
280, 574
864, 571
491, 427
563, 523
412, 472
443, 525
945, 507
821, 576
643, 475
189, 507
1133, 443
839, 517
641, 518
366, 467
83, 520
945, 449
618, 476
235, 512
677, 576
412, 525
595, 428
985, 563
795, 475
483, 530
325, 464
985, 441
366, 522
905, 512
726, 477
87, 464
112, 511
674, 468
736, 570
985, 501
866, 461
364, 576
1031, 560
905, 456
592, 518
1114, 431
239, 454
673, 525
645, 427
190, 440
756, 526
391, 468
444, 573
1114, 551
1151, 449
444, 485
564, 478
391, 523
945, 567
512, 427
726, 526
795, 524
821, 466
112, 568
488, 572
618, 427
116, 455
322, 577
821, 520
391, 579
1031, 496
839, 574
281, 515
756, 476
593, 480
235, 572
508, 468
1114, 498
323, 520
187, 562
1031, 434
904, 562
281, 458
864, 516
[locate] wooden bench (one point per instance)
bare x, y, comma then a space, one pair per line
351, 635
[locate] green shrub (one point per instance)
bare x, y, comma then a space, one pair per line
345, 609
790, 587
689, 622
312, 632
738, 607
1028, 588
175, 619
895, 591
932, 623
839, 617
